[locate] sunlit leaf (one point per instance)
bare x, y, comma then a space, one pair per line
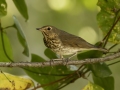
3, 8
22, 8
5, 48
92, 86
110, 11
21, 36
45, 75
17, 82
107, 83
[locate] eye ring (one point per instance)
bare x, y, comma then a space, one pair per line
49, 28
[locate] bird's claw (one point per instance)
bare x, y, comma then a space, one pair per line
65, 61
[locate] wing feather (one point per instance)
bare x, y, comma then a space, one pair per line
74, 41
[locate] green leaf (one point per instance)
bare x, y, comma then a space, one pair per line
45, 75
107, 83
99, 69
22, 8
89, 54
21, 36
50, 54
92, 86
110, 11
5, 48
3, 8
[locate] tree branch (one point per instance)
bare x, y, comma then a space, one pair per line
60, 62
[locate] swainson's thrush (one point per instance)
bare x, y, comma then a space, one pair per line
63, 43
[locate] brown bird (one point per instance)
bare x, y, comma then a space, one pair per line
63, 43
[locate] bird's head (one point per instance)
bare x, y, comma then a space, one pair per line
49, 31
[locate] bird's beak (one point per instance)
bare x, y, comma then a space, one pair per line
38, 28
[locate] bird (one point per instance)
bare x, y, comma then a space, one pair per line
64, 43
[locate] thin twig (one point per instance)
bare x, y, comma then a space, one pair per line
112, 46
71, 81
75, 77
108, 34
113, 63
62, 79
51, 83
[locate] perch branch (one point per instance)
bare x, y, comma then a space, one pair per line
60, 62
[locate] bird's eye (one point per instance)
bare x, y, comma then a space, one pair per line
49, 28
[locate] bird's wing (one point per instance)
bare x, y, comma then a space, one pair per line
74, 41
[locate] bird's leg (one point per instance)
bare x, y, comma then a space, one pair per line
52, 60
72, 55
67, 59
60, 57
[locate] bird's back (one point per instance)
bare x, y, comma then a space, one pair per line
70, 40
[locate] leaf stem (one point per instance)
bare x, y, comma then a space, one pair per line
3, 44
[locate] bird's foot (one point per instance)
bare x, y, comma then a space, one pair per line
65, 61
51, 62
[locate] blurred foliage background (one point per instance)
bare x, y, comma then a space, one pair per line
74, 16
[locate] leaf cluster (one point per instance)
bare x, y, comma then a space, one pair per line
53, 78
